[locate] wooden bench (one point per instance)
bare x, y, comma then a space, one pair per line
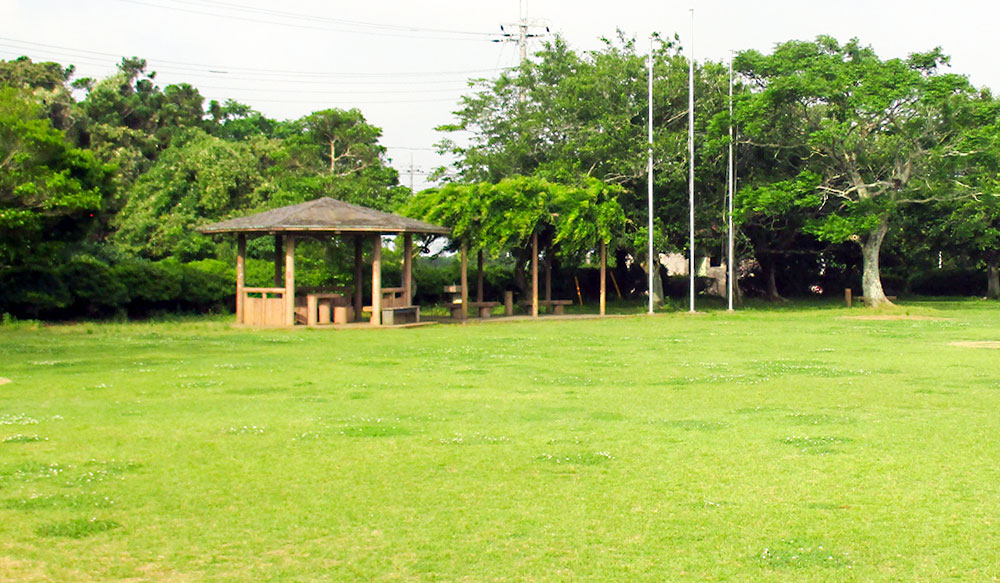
849, 298
555, 305
455, 305
485, 308
394, 315
394, 311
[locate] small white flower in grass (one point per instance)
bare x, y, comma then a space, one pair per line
17, 419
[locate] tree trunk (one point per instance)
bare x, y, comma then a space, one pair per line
769, 269
871, 279
993, 275
657, 291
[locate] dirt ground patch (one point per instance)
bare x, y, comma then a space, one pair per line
978, 344
4, 381
895, 317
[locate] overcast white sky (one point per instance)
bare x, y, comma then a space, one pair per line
405, 63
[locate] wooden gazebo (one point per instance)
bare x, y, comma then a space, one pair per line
321, 219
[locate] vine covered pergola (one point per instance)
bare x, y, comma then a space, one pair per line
520, 215
321, 219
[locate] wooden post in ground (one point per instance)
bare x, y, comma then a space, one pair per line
407, 269
279, 258
241, 255
376, 280
604, 277
848, 297
290, 281
465, 280
534, 275
479, 276
508, 303
358, 276
618, 290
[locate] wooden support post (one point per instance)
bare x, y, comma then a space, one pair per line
358, 276
604, 277
508, 303
465, 280
618, 290
290, 281
376, 280
279, 259
534, 275
407, 269
848, 297
241, 255
479, 276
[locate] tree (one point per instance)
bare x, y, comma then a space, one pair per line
48, 84
973, 221
872, 129
233, 120
771, 215
49, 190
563, 116
336, 153
199, 179
130, 120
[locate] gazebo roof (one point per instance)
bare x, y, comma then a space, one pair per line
324, 215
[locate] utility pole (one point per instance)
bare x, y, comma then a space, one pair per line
526, 29
411, 171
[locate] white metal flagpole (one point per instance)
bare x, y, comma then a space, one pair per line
732, 183
691, 159
649, 262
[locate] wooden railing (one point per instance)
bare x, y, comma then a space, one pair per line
264, 306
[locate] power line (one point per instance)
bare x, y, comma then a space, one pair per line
404, 32
222, 69
340, 21
332, 91
354, 103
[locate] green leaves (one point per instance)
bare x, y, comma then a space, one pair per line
49, 191
780, 197
872, 135
502, 217
200, 179
568, 116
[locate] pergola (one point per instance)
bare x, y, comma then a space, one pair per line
535, 298
321, 219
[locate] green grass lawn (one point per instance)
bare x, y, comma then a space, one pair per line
766, 445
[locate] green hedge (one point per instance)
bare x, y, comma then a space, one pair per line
33, 293
950, 282
87, 288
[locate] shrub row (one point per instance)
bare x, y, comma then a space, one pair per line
88, 288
